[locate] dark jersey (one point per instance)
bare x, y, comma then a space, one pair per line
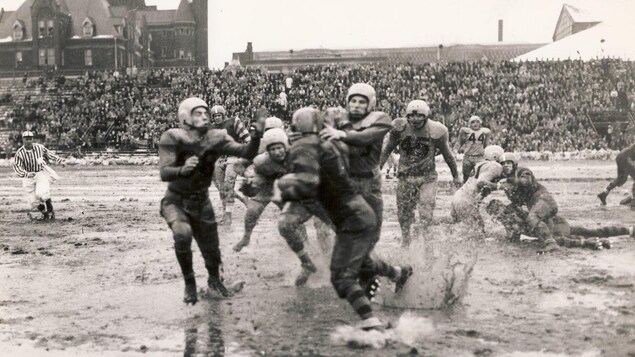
365, 139
319, 171
177, 145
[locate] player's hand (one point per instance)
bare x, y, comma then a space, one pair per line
30, 174
257, 127
458, 181
330, 133
63, 163
189, 166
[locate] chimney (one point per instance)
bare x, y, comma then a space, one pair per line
250, 48
500, 30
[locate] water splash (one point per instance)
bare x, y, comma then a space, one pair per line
408, 330
442, 266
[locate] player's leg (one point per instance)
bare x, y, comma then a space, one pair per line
468, 166
622, 176
178, 221
228, 187
370, 189
252, 214
352, 246
632, 192
406, 202
323, 234
219, 179
427, 201
205, 231
291, 228
604, 232
538, 218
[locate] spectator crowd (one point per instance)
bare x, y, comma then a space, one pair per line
530, 106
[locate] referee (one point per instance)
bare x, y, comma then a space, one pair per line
29, 162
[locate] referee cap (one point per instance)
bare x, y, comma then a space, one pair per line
27, 134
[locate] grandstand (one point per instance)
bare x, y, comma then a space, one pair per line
285, 61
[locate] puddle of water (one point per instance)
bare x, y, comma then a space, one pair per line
597, 300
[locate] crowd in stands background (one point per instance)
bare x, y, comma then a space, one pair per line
531, 106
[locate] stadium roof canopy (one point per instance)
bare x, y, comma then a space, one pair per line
611, 38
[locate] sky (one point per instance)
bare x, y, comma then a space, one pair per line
300, 24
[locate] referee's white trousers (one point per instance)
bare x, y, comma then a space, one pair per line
37, 189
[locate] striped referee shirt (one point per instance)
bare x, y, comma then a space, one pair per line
25, 161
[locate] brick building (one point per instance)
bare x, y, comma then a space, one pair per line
102, 34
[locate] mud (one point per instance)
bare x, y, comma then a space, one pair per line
103, 280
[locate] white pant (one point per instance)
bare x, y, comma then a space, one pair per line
37, 189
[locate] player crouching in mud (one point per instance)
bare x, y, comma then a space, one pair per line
319, 171
186, 161
541, 220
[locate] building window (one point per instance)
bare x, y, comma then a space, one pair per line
88, 57
189, 55
88, 28
18, 59
163, 52
42, 57
49, 24
50, 56
41, 29
17, 32
181, 54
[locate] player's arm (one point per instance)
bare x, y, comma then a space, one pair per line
488, 177
369, 135
462, 140
248, 151
230, 147
390, 146
243, 132
486, 139
168, 146
304, 181
18, 166
444, 146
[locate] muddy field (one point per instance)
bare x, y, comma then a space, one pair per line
103, 280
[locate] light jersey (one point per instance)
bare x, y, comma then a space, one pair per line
465, 201
474, 140
267, 170
418, 146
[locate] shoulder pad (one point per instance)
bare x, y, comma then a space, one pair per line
486, 130
172, 136
399, 124
465, 130
371, 119
493, 167
436, 129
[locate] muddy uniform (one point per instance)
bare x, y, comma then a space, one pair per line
364, 139
465, 202
625, 167
392, 161
186, 206
541, 205
562, 231
225, 167
319, 172
474, 144
417, 169
259, 188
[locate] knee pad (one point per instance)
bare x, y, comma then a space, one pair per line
182, 233
342, 280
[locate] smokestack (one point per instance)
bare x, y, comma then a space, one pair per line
500, 30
